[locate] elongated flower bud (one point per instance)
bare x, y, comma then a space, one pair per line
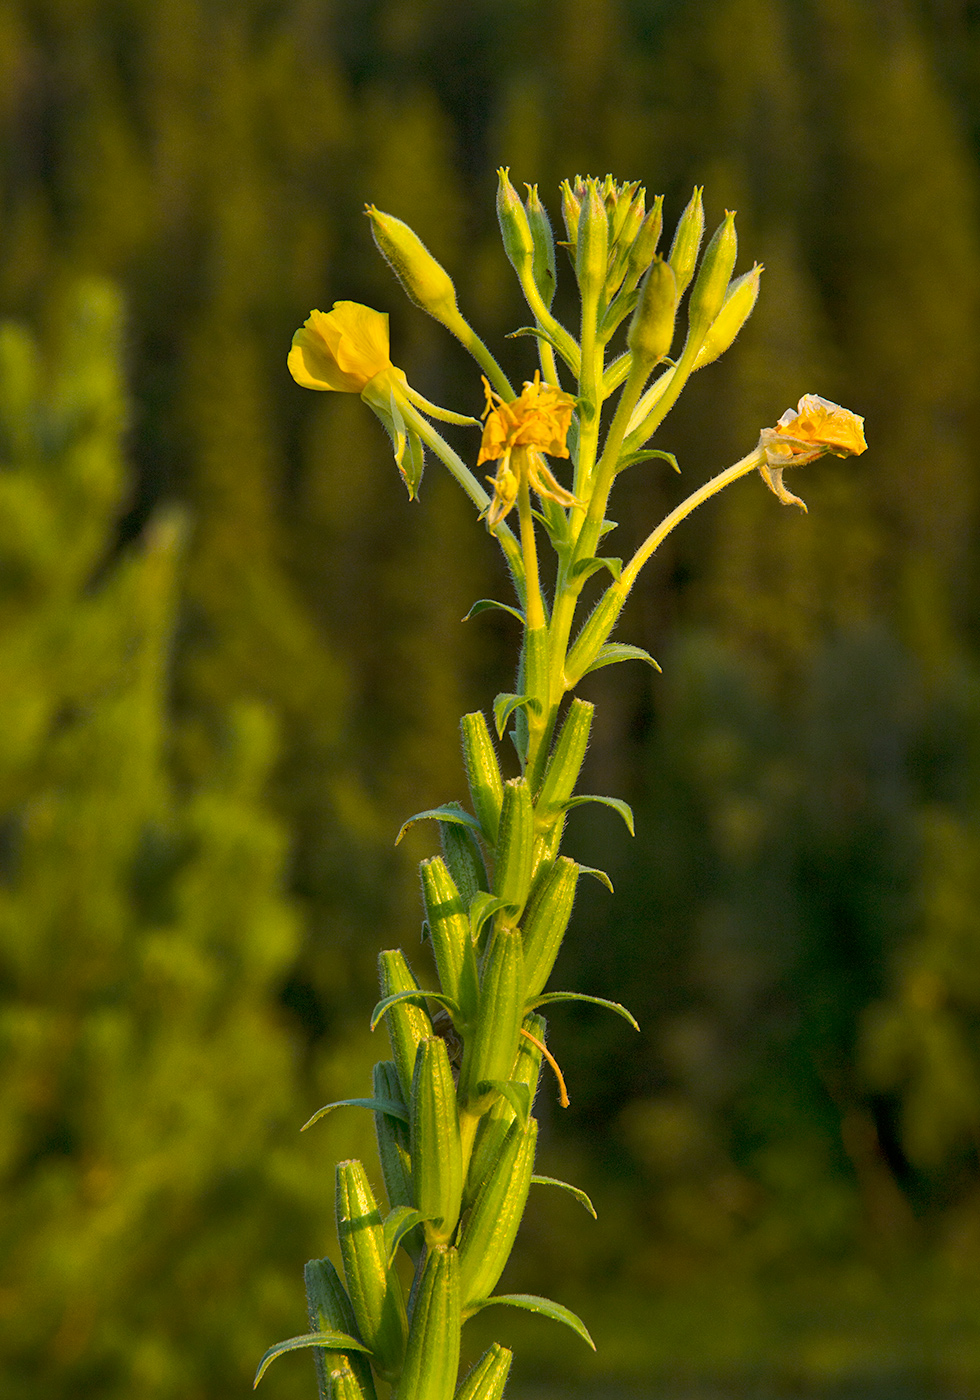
514, 228
571, 212
592, 245
652, 327
494, 1125
545, 924
488, 1377
543, 265
343, 1384
482, 774
408, 1021
437, 1163
566, 761
708, 294
687, 242
375, 1291
426, 282
465, 861
449, 933
491, 1048
736, 309
645, 243
491, 1226
393, 1151
515, 846
432, 1357
329, 1310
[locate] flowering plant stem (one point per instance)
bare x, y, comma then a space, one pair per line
452, 1106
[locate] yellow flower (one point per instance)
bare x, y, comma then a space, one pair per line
815, 427
342, 349
517, 433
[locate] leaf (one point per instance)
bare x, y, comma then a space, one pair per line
596, 1001
599, 875
401, 1221
450, 812
585, 568
645, 456
612, 652
482, 907
616, 803
518, 1095
504, 706
606, 527
537, 331
575, 1191
410, 995
532, 1303
330, 1341
484, 604
389, 1106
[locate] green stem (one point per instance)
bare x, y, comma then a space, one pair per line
470, 341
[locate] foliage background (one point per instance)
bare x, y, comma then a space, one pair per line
226, 681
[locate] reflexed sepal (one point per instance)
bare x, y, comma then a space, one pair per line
449, 932
530, 1302
432, 1355
437, 1162
515, 846
393, 1151
329, 1310
491, 1227
408, 1021
491, 1047
375, 1290
488, 1377
482, 774
545, 923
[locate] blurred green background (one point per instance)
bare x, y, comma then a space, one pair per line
231, 663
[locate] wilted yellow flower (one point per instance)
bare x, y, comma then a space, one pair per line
517, 433
342, 349
815, 427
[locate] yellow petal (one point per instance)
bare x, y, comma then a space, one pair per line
341, 350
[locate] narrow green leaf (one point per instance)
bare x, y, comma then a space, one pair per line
616, 803
596, 1001
400, 1222
504, 706
451, 812
599, 875
485, 604
390, 1106
585, 568
537, 332
612, 652
530, 1302
645, 456
517, 1095
451, 1006
331, 1341
482, 907
575, 1191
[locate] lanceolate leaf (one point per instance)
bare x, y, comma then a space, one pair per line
575, 1191
599, 875
331, 1341
389, 1106
382, 1006
482, 907
398, 1224
517, 1095
585, 568
621, 651
616, 803
504, 706
485, 604
596, 1001
645, 456
532, 1303
451, 812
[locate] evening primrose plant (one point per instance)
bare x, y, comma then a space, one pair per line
452, 1106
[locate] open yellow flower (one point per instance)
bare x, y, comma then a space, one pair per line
815, 427
517, 433
342, 349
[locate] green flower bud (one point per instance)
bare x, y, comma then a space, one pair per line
491, 1047
375, 1291
708, 295
408, 1021
482, 774
652, 327
425, 281
545, 923
449, 934
464, 859
515, 846
571, 210
432, 1357
645, 243
488, 1377
491, 1226
687, 242
736, 309
393, 1150
437, 1163
514, 227
329, 1310
543, 267
592, 245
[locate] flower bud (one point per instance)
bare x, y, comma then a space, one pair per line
708, 295
432, 1357
592, 245
687, 242
571, 209
514, 227
646, 240
488, 1377
543, 266
437, 1163
652, 327
375, 1291
735, 310
426, 282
